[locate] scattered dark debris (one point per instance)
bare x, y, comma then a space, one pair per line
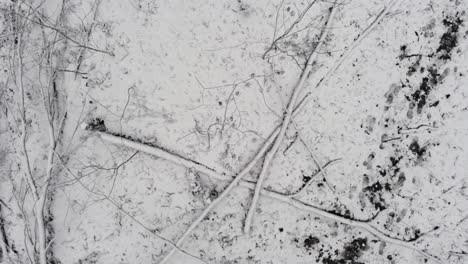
416, 149
96, 124
310, 241
416, 233
392, 169
196, 187
281, 229
449, 39
243, 8
91, 258
353, 250
420, 96
415, 65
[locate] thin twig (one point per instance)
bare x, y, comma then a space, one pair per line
226, 108
307, 184
88, 35
119, 207
286, 32
317, 162
63, 33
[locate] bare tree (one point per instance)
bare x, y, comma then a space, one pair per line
39, 55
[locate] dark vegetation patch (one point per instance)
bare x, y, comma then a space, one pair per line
305, 179
391, 178
390, 175
328, 260
352, 251
310, 241
96, 124
449, 39
395, 160
420, 96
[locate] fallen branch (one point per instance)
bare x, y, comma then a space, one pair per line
160, 152
366, 225
348, 52
287, 119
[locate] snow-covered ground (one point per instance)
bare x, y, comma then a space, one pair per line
389, 124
